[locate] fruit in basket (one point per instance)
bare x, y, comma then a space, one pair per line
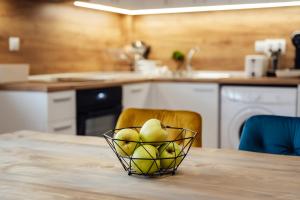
126, 141
144, 160
170, 154
153, 131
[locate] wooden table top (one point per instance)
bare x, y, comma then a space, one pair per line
40, 166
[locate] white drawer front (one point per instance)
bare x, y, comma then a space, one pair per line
61, 105
136, 95
63, 127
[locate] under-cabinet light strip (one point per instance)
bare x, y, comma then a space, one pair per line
184, 9
102, 7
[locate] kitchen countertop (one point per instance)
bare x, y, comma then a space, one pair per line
36, 166
53, 86
44, 86
236, 80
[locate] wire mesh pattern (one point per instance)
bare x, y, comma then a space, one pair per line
153, 162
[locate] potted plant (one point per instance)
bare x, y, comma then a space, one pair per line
179, 58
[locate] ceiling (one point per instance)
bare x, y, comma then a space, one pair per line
146, 7
154, 4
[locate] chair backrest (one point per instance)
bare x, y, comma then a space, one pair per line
182, 119
271, 134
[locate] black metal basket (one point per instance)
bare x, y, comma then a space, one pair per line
158, 166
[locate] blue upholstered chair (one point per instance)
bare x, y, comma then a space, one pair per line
271, 134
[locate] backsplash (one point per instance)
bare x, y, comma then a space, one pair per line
59, 37
224, 37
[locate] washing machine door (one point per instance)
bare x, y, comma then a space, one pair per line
235, 127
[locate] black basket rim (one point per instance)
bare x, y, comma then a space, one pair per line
141, 142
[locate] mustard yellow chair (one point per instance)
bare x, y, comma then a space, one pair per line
183, 119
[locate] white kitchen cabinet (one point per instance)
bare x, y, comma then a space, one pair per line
198, 97
38, 111
61, 105
137, 95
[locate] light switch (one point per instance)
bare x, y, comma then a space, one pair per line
14, 43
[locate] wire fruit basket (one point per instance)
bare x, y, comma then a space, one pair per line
159, 158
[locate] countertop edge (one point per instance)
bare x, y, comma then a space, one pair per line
40, 86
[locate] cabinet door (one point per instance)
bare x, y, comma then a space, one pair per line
137, 95
198, 97
61, 105
23, 110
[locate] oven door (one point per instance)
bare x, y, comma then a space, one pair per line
96, 123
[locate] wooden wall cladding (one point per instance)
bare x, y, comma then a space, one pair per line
59, 37
224, 37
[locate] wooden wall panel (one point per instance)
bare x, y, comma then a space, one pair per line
59, 37
224, 37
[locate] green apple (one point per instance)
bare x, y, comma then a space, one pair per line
145, 159
153, 131
126, 141
168, 152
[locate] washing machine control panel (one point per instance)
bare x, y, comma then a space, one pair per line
260, 95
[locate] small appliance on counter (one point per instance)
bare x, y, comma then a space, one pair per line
256, 65
296, 43
293, 72
273, 48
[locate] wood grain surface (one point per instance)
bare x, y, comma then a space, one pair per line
40, 166
58, 37
224, 37
61, 86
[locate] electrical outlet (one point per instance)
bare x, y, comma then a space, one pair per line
270, 45
14, 43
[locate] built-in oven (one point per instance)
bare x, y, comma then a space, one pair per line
98, 110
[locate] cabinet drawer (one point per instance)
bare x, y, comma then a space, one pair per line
136, 95
61, 105
63, 127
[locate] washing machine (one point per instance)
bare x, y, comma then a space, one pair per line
238, 103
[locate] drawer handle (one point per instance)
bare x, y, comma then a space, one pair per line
61, 128
136, 90
63, 99
203, 90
